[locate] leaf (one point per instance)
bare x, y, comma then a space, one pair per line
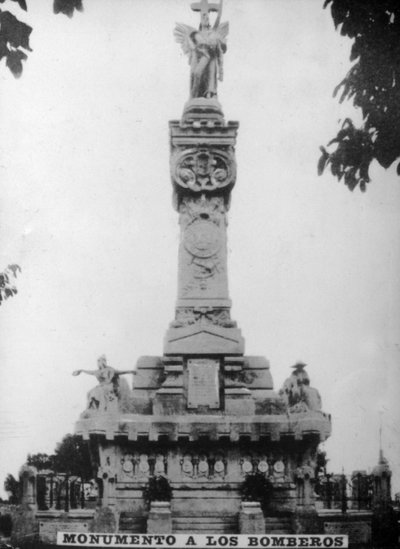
372, 83
364, 173
67, 7
22, 3
4, 51
14, 32
8, 292
14, 62
335, 168
14, 268
322, 161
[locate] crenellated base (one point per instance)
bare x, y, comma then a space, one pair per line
205, 423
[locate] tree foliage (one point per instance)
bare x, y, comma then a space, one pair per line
67, 7
7, 288
71, 456
14, 34
13, 488
372, 83
256, 487
40, 461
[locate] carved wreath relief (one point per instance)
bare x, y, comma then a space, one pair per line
203, 466
203, 169
273, 467
141, 466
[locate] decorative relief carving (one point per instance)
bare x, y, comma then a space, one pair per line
203, 169
203, 466
107, 470
187, 466
203, 245
195, 208
127, 467
304, 472
187, 316
136, 467
263, 466
279, 469
159, 465
220, 467
246, 466
202, 239
274, 467
143, 466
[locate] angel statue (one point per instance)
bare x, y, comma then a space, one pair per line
205, 48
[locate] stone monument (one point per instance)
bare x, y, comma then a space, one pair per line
204, 416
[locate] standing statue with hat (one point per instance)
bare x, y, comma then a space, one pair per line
297, 392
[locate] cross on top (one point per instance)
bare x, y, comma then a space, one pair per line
204, 7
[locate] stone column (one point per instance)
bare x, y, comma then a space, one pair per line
27, 477
203, 173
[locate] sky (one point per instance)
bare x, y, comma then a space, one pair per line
86, 212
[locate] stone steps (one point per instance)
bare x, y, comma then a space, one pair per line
132, 523
224, 524
278, 525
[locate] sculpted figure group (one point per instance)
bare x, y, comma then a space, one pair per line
297, 393
111, 390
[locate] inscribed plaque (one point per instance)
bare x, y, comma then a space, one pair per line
48, 529
203, 388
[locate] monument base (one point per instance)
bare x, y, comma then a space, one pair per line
201, 108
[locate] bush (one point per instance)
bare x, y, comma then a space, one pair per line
157, 489
256, 488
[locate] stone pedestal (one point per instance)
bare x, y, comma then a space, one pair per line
251, 518
104, 520
204, 431
27, 475
25, 526
159, 520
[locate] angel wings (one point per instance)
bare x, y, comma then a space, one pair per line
205, 48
